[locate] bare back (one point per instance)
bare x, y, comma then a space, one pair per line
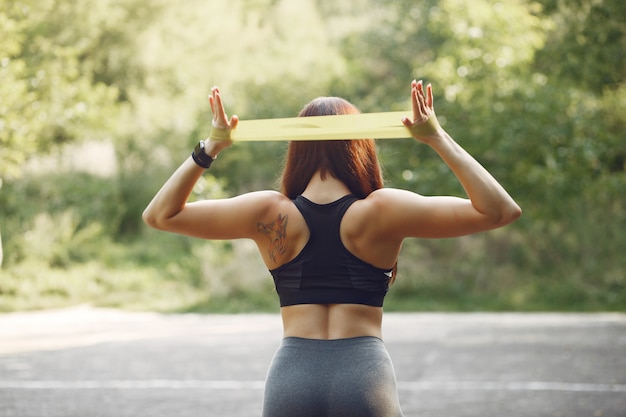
285, 233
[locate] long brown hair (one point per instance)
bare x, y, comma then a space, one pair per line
354, 162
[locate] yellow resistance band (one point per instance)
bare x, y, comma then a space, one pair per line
386, 125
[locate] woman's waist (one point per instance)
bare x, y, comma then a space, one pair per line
331, 321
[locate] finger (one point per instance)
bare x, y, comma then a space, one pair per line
234, 121
420, 94
415, 104
429, 97
215, 104
212, 103
221, 114
421, 102
420, 88
414, 100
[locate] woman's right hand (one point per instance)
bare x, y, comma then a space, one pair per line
221, 127
424, 124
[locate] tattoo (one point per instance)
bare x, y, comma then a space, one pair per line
276, 231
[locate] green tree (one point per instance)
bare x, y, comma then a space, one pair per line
49, 95
534, 90
587, 43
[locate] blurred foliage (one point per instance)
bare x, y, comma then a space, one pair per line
51, 84
533, 88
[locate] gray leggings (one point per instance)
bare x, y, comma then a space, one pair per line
331, 378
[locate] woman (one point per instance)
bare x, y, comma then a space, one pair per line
331, 240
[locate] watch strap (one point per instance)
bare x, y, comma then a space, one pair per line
200, 157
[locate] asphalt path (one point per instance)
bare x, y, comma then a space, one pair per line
88, 362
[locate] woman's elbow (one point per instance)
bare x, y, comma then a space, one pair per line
151, 219
159, 218
510, 214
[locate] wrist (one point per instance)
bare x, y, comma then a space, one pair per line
201, 156
427, 129
441, 140
212, 147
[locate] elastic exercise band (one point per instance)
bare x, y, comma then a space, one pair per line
386, 125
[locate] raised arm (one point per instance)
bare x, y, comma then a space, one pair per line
213, 219
488, 205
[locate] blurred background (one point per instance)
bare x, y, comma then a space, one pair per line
100, 100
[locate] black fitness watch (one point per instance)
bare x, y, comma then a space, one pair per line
200, 157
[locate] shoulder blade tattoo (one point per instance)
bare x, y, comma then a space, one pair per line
276, 232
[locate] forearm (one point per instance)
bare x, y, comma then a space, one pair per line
172, 197
487, 195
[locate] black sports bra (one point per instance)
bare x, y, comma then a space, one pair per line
325, 272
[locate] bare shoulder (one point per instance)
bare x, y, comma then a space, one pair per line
280, 231
266, 199
402, 213
263, 207
391, 214
374, 212
264, 195
229, 218
383, 195
388, 200
253, 205
369, 228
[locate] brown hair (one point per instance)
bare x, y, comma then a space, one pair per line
354, 162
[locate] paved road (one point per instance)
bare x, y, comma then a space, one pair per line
105, 363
